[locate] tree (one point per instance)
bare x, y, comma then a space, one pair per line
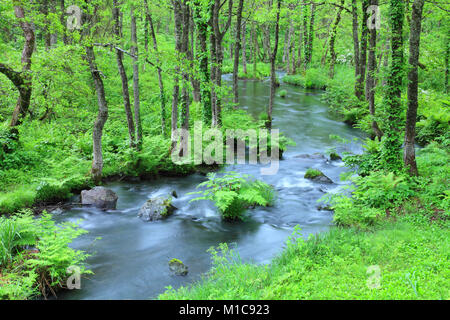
102, 115
22, 80
217, 36
162, 95
333, 38
273, 76
202, 17
237, 48
391, 142
409, 156
137, 105
123, 75
370, 81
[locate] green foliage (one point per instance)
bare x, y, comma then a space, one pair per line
282, 93
233, 193
313, 78
26, 273
335, 265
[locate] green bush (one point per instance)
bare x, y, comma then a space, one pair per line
233, 193
28, 273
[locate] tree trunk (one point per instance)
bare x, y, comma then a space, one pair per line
446, 58
363, 51
178, 18
184, 112
191, 53
391, 144
372, 65
333, 38
244, 48
62, 19
24, 86
202, 57
123, 75
273, 57
162, 95
137, 105
237, 48
355, 28
409, 156
311, 34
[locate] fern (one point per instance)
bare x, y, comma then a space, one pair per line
233, 193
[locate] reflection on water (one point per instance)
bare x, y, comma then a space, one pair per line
131, 259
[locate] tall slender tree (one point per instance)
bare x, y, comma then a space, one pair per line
391, 142
409, 156
273, 56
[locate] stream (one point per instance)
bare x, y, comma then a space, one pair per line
130, 261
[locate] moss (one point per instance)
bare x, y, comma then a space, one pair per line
312, 173
167, 206
283, 93
175, 260
334, 156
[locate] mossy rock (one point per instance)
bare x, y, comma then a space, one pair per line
178, 267
157, 208
317, 176
334, 156
282, 93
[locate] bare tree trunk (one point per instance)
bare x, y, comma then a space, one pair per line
137, 105
102, 116
162, 95
22, 80
370, 81
218, 55
273, 57
123, 75
185, 75
409, 156
237, 48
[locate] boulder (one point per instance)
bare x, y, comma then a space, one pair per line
317, 176
314, 156
334, 156
99, 197
177, 267
156, 208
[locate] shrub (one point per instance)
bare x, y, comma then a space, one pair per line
233, 194
26, 273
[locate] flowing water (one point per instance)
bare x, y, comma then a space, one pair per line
130, 261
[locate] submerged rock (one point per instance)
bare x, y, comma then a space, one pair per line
99, 197
178, 267
156, 208
317, 176
314, 156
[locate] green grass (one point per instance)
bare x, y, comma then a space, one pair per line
412, 258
